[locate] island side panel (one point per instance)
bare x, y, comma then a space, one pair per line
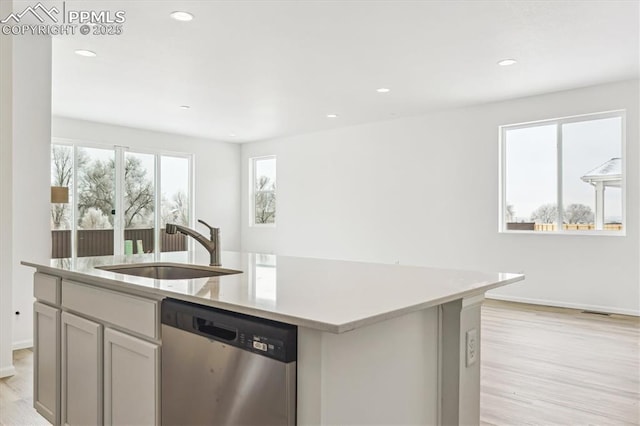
385, 373
309, 377
459, 364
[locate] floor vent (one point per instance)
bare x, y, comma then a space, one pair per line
604, 314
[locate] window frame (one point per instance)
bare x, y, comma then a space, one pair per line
559, 122
252, 191
119, 158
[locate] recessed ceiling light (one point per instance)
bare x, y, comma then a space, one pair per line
332, 115
507, 62
86, 53
184, 107
232, 135
181, 16
383, 90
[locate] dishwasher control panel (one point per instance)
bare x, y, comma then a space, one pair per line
259, 346
262, 344
258, 335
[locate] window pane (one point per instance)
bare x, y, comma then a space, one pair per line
174, 184
139, 190
96, 178
530, 176
592, 168
265, 174
265, 191
61, 213
265, 207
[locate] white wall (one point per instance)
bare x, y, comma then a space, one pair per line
30, 194
6, 141
424, 191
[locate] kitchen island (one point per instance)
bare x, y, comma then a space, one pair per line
377, 343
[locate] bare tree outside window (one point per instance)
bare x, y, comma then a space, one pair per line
578, 213
176, 209
573, 214
510, 213
138, 191
265, 201
94, 218
96, 189
264, 196
96, 184
546, 213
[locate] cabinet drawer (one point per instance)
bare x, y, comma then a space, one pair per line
133, 313
46, 288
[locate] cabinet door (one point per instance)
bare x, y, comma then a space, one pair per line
81, 371
131, 384
46, 362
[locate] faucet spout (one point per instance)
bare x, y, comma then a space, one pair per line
212, 244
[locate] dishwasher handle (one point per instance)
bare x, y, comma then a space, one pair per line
207, 327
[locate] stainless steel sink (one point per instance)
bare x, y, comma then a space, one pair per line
168, 271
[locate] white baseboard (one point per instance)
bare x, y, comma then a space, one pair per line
596, 308
23, 344
7, 371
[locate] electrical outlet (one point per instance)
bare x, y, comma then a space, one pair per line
472, 347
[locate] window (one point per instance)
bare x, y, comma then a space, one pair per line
175, 200
115, 200
564, 175
263, 191
95, 187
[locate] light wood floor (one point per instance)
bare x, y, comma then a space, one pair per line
552, 366
540, 366
16, 394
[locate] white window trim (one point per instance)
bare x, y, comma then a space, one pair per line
252, 192
502, 223
119, 150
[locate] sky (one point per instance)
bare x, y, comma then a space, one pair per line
531, 165
266, 167
175, 175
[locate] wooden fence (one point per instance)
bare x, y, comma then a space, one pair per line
99, 242
531, 226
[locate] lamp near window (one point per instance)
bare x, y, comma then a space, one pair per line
59, 195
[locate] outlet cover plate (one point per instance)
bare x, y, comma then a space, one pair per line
471, 347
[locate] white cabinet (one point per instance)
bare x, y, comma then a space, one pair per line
131, 387
127, 367
81, 352
46, 365
125, 311
96, 354
46, 288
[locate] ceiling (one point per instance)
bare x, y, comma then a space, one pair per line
263, 69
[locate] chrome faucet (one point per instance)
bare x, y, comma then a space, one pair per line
212, 244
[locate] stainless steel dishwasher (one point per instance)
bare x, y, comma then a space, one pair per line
223, 368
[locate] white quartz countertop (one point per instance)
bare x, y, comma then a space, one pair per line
328, 295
